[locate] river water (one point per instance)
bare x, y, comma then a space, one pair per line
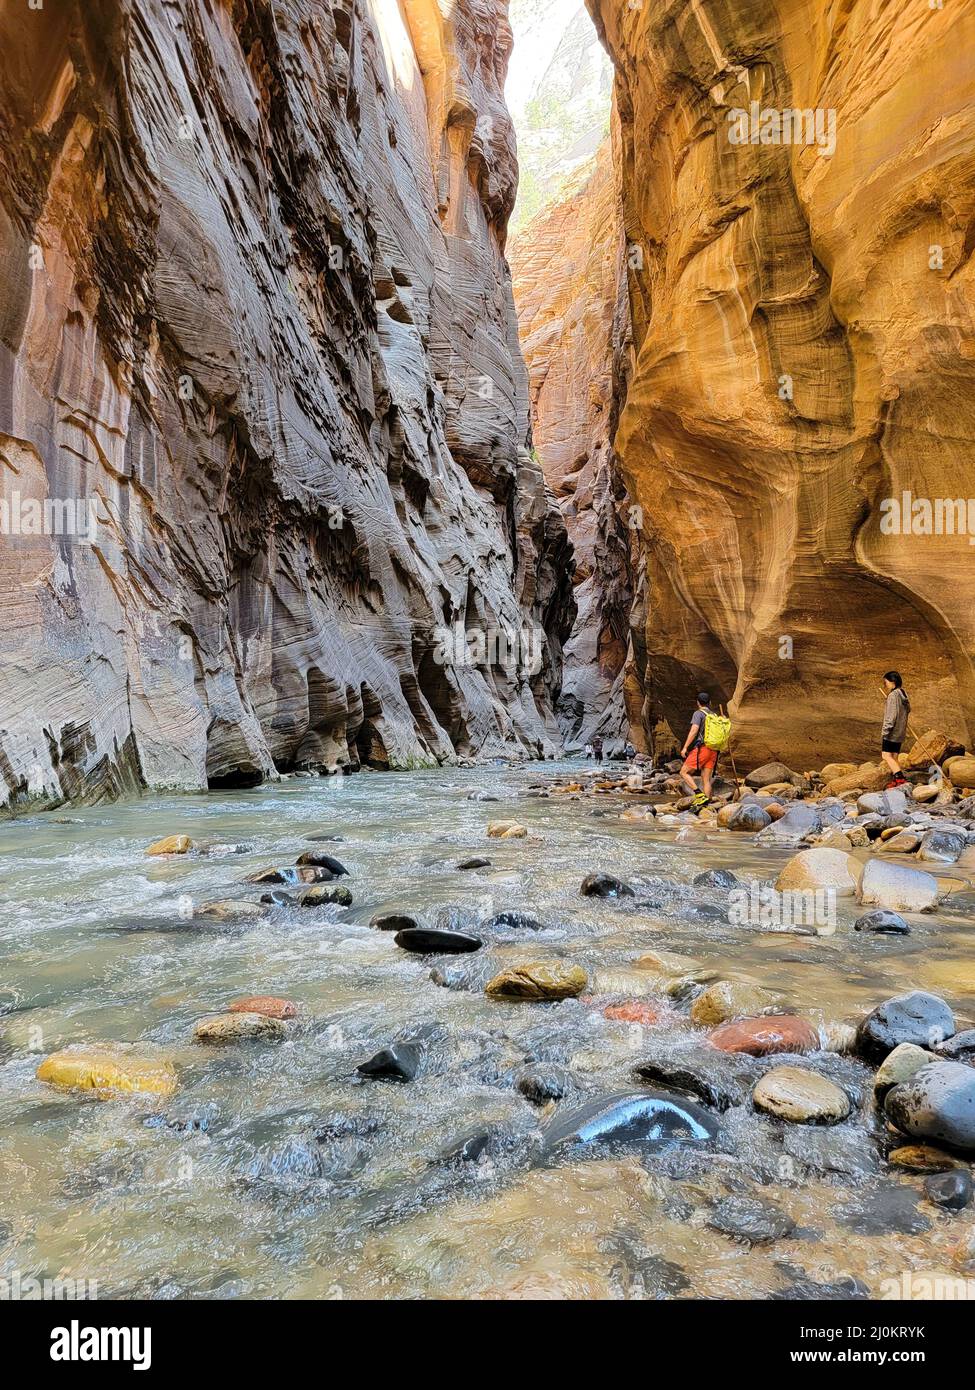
276, 1171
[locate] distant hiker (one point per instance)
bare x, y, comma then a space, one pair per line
708, 735
628, 750
588, 750
597, 749
896, 710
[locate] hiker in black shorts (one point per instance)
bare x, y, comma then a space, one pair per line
896, 710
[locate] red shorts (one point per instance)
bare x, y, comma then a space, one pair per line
700, 758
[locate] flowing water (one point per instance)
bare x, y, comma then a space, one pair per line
276, 1171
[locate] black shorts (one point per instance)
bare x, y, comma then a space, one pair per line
888, 746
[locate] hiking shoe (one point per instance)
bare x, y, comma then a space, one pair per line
896, 782
699, 803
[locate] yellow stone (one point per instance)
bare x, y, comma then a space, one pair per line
921, 1158
506, 830
108, 1069
729, 999
538, 980
172, 844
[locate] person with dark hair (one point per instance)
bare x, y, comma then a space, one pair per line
896, 710
597, 748
699, 760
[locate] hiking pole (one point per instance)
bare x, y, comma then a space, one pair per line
739, 782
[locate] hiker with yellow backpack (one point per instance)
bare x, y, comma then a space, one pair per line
706, 738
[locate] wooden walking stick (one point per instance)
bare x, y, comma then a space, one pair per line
739, 781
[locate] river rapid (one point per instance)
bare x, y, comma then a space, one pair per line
276, 1170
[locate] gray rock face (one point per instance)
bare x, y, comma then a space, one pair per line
937, 1103
260, 330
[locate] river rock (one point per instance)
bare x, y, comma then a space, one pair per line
750, 1219
800, 1095
292, 877
953, 1190
719, 1082
393, 921
172, 844
896, 886
398, 1062
899, 1065
961, 1047
768, 774
717, 878
762, 1037
881, 1210
318, 860
834, 770
820, 868
506, 830
927, 791
882, 920
321, 895
799, 820
617, 979
239, 1027
728, 999
475, 863
918, 1018
652, 1118
749, 819
228, 910
842, 1149
267, 1004
109, 1069
921, 1158
900, 842
433, 941
942, 846
886, 803
540, 1082
514, 921
538, 980
937, 1103
605, 886
638, 1011
961, 771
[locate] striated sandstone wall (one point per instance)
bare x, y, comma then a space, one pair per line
255, 307
802, 350
569, 291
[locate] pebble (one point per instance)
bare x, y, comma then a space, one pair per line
952, 1190
801, 1096
748, 819
320, 895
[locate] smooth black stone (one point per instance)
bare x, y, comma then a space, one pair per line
885, 1209
749, 1219
917, 1017
323, 839
393, 921
605, 886
718, 1092
649, 1119
279, 898
518, 920
883, 920
475, 864
431, 941
716, 878
951, 1190
398, 1062
315, 860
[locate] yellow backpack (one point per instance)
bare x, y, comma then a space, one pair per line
717, 731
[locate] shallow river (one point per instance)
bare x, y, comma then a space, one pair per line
275, 1171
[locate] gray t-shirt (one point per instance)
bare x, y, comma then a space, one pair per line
697, 720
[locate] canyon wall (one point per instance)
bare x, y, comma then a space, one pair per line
803, 352
256, 329
569, 287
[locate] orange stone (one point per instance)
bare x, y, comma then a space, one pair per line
265, 1004
761, 1036
634, 1011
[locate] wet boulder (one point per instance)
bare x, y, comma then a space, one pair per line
229, 910
267, 1004
506, 830
728, 999
961, 1047
321, 895
646, 1118
292, 877
605, 886
917, 1017
952, 1190
514, 921
475, 863
717, 878
749, 819
942, 846
937, 1103
814, 869
718, 1080
886, 803
538, 980
393, 921
765, 1036
896, 886
899, 1065
434, 941
109, 1069
882, 920
750, 1219
171, 844
239, 1027
317, 860
541, 1082
398, 1062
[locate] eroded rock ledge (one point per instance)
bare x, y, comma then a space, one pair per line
256, 308
802, 350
